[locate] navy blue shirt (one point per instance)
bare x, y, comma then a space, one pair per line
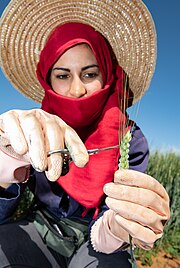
52, 196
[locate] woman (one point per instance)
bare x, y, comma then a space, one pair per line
84, 108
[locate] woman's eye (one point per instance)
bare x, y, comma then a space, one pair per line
90, 75
62, 76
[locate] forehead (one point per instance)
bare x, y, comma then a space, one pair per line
77, 53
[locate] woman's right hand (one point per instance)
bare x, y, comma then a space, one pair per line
33, 133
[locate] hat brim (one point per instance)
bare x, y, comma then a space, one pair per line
126, 24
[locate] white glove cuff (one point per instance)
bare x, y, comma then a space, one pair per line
102, 239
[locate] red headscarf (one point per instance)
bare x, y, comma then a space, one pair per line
95, 118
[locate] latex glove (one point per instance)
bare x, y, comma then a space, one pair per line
141, 207
35, 132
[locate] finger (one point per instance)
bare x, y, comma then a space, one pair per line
11, 127
56, 136
139, 179
141, 196
114, 227
76, 147
137, 231
142, 244
35, 139
7, 149
54, 140
137, 213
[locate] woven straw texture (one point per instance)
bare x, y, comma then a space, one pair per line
127, 25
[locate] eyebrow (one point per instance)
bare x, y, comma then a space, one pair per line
83, 68
61, 68
89, 66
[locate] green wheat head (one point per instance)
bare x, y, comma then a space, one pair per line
124, 163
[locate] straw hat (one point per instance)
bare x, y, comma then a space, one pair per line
26, 25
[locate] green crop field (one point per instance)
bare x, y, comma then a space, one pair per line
166, 169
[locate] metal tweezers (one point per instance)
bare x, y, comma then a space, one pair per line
90, 152
5, 145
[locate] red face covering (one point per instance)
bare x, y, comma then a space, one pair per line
95, 118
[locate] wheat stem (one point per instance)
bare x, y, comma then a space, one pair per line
124, 163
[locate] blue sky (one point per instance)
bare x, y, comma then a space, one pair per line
159, 110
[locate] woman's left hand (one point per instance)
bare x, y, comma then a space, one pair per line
141, 206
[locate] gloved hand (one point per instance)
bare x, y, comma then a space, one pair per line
34, 133
140, 206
